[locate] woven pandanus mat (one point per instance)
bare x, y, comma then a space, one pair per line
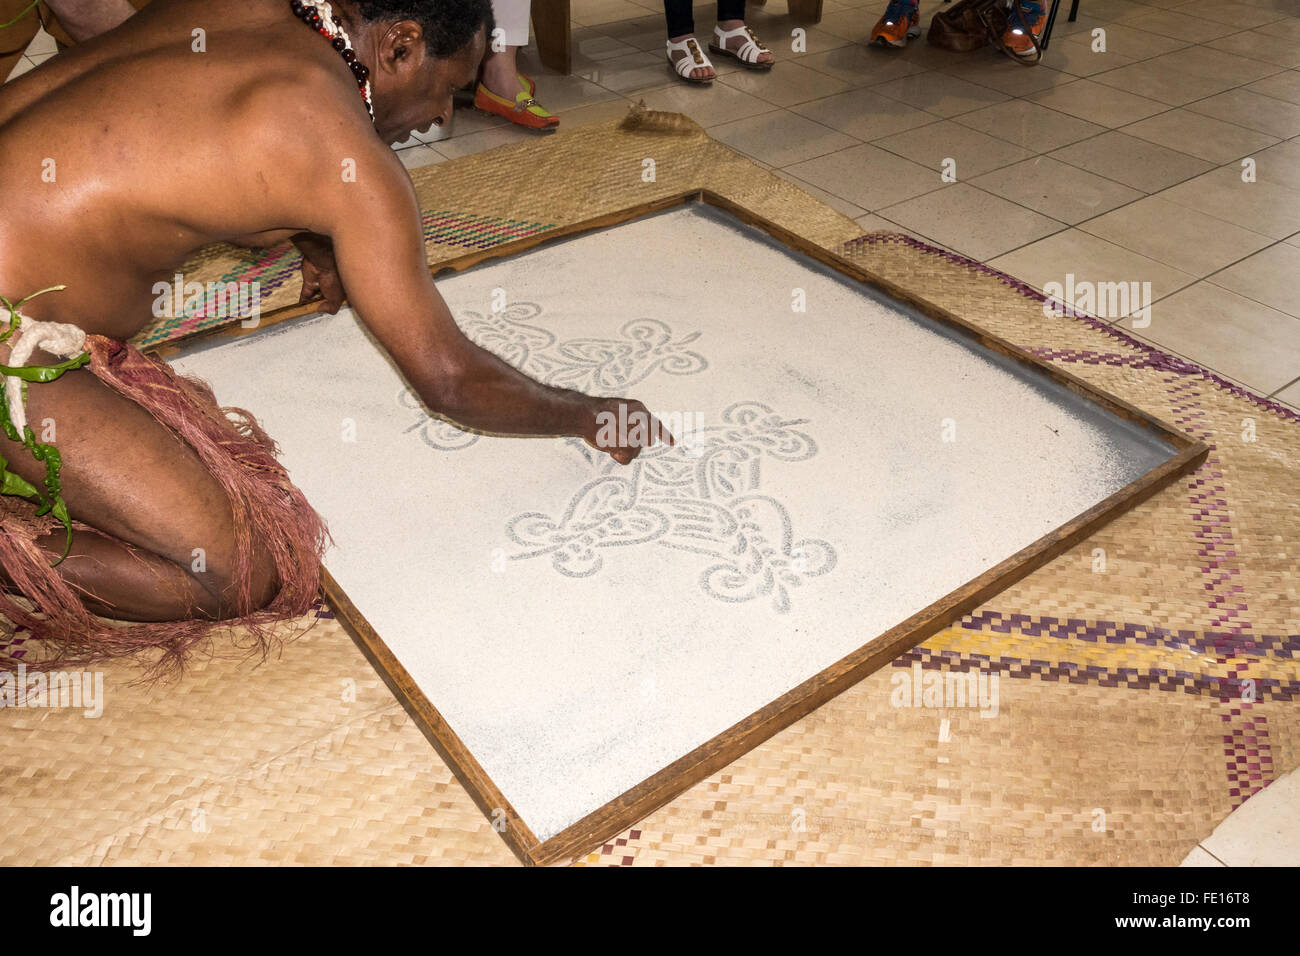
1139, 701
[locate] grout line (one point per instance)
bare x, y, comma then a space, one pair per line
1284, 387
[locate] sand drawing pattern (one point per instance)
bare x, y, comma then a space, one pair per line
593, 365
701, 497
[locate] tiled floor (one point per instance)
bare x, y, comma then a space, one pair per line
1122, 164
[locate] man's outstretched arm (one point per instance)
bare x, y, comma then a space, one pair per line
380, 254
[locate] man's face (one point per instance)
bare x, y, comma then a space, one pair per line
414, 91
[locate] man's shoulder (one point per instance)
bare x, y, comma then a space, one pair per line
303, 102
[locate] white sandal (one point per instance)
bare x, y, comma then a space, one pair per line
748, 54
693, 60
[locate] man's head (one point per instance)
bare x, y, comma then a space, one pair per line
420, 51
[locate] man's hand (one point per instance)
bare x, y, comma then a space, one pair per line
320, 273
622, 427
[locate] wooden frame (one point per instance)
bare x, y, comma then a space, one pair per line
657, 790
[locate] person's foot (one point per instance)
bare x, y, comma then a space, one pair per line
1031, 18
690, 47
505, 92
520, 109
901, 22
736, 44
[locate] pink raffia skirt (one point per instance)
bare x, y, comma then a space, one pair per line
47, 624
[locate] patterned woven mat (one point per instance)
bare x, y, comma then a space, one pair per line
1138, 703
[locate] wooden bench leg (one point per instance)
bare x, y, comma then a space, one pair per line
554, 40
806, 10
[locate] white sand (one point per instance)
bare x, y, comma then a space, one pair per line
581, 625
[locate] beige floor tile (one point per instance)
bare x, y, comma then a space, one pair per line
1172, 23
600, 112
1290, 395
1203, 61
971, 151
864, 114
835, 202
939, 93
780, 138
487, 139
558, 93
1288, 28
24, 65
814, 40
1269, 276
1163, 83
875, 223
707, 105
1244, 340
994, 70
1253, 111
42, 44
971, 221
1280, 164
1097, 103
1262, 206
1089, 259
1055, 189
631, 72
786, 84
1132, 161
590, 13
1125, 41
1029, 125
1081, 27
1111, 9
465, 121
927, 56
852, 25
1176, 235
1198, 135
860, 66
1075, 55
1282, 86
867, 176
413, 157
593, 45
644, 33
1260, 45
1243, 16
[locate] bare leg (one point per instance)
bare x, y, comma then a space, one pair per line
126, 475
500, 71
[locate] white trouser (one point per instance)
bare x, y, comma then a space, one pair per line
512, 19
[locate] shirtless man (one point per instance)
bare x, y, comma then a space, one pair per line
158, 150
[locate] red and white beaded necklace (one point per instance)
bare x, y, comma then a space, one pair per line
320, 16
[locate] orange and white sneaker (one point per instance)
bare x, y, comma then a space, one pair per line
1023, 18
901, 22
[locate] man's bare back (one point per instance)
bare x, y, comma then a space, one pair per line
122, 157
157, 150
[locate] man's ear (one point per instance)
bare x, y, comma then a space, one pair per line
404, 48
